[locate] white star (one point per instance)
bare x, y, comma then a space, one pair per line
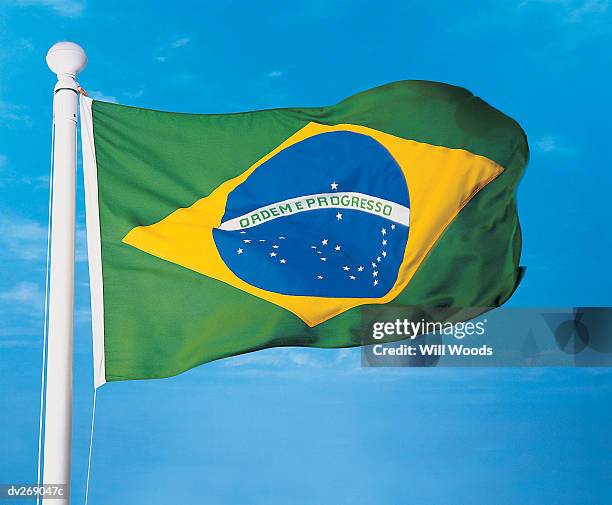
393, 227
281, 238
262, 239
313, 246
337, 248
346, 269
378, 259
243, 232
374, 273
352, 277
324, 241
319, 252
319, 277
384, 253
246, 241
274, 246
272, 254
323, 259
384, 242
360, 269
375, 282
334, 185
373, 265
339, 216
239, 251
383, 231
283, 261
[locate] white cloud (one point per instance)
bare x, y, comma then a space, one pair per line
275, 73
304, 359
180, 42
24, 294
98, 95
344, 354
277, 358
572, 11
161, 54
587, 8
36, 181
82, 314
546, 144
9, 344
21, 314
134, 94
526, 3
26, 239
80, 253
288, 360
66, 8
565, 20
261, 358
11, 178
22, 238
552, 144
13, 113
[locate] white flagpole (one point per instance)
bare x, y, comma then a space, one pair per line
65, 59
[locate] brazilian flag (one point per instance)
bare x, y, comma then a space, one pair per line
215, 235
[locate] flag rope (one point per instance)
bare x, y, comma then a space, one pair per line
81, 90
95, 389
93, 418
46, 318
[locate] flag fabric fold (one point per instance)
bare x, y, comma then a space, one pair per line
215, 235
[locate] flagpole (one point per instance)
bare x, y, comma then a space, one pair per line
65, 59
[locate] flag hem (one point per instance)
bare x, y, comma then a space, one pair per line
94, 243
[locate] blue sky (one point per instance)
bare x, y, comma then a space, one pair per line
309, 426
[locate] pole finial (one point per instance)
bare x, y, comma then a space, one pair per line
66, 58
